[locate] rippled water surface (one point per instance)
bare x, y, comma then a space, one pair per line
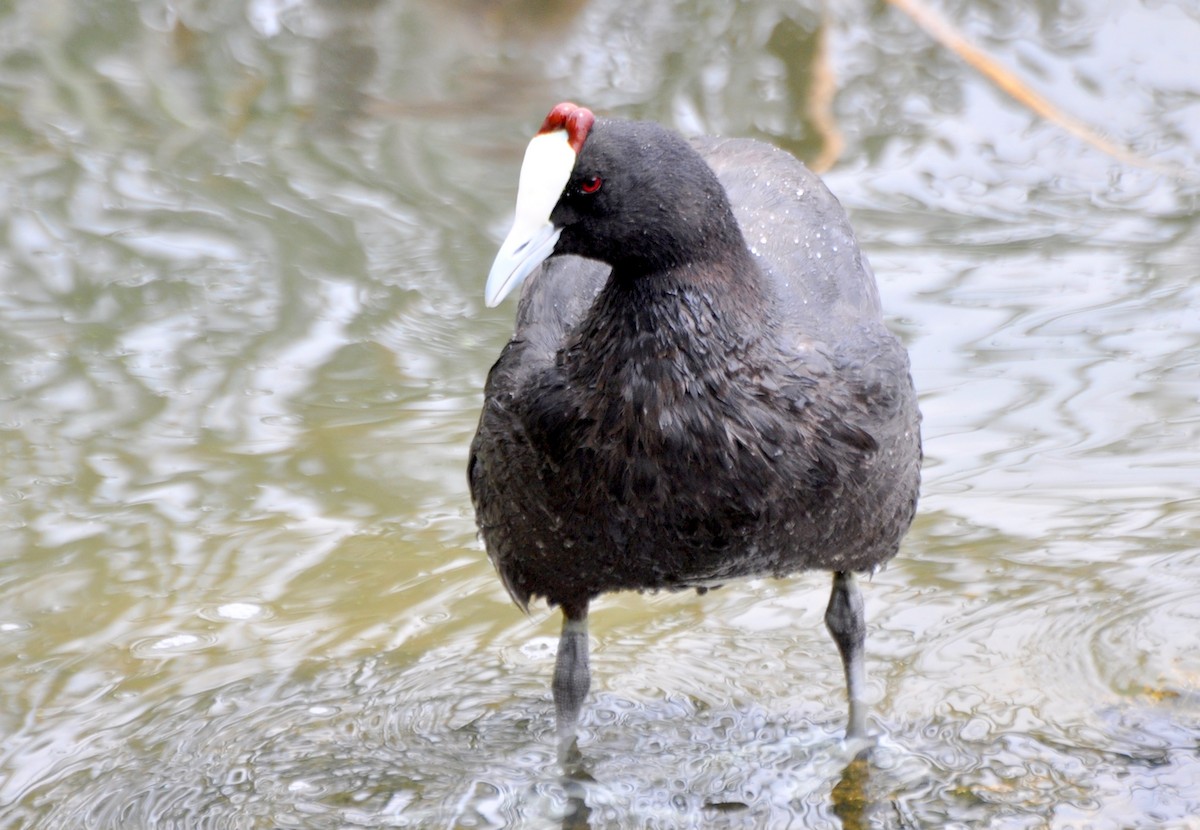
242, 342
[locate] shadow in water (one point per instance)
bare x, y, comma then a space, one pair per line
578, 813
850, 803
850, 799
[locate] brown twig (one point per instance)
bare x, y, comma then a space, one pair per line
944, 33
819, 102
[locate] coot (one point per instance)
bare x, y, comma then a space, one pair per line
700, 386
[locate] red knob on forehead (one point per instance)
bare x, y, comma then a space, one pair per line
576, 120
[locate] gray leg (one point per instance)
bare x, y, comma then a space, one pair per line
845, 620
571, 678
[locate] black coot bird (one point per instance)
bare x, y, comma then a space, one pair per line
700, 386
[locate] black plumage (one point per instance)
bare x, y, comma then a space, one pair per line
700, 387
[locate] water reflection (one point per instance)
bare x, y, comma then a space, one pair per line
383, 745
241, 347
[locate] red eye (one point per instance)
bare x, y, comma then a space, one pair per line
591, 185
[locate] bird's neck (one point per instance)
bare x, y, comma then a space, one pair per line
674, 325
